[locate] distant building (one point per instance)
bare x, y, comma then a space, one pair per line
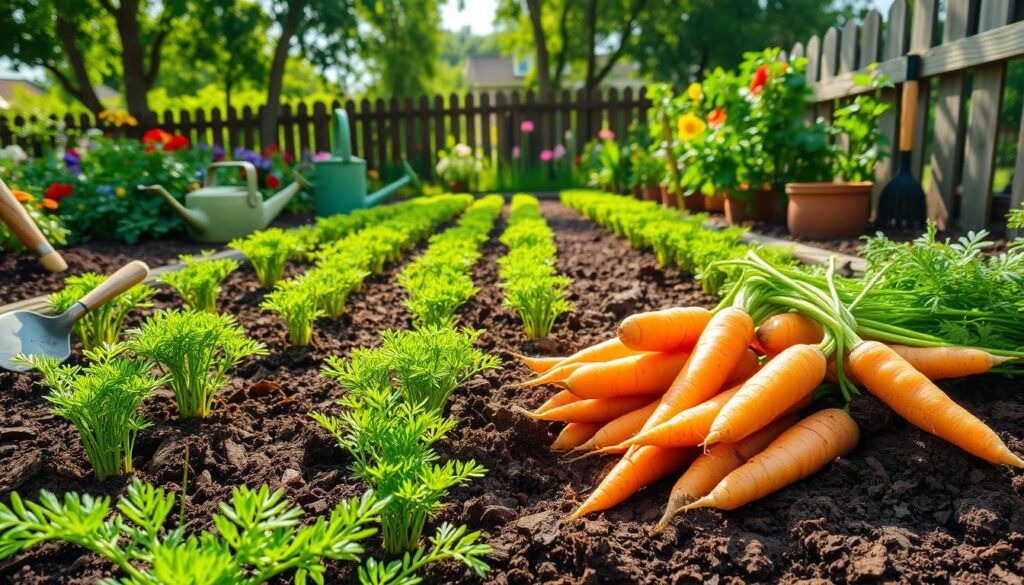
9, 86
493, 72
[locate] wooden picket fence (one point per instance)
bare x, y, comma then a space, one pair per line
382, 131
963, 74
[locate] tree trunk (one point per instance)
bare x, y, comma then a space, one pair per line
540, 47
272, 110
595, 77
81, 88
136, 88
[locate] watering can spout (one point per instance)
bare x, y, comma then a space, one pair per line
409, 178
197, 220
273, 206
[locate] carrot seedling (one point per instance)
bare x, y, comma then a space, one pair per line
269, 251
260, 536
296, 302
195, 350
102, 400
331, 286
105, 323
198, 283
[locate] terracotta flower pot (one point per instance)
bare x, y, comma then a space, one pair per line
828, 210
652, 193
694, 203
457, 187
737, 210
715, 203
638, 192
762, 205
668, 198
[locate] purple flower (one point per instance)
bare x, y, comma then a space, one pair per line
606, 134
515, 152
72, 160
546, 155
558, 152
526, 126
218, 152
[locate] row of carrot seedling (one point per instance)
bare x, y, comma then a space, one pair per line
677, 239
259, 534
531, 284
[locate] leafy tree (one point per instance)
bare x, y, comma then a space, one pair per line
402, 48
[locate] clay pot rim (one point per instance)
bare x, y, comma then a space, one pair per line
829, 188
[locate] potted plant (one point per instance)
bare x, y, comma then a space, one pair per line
458, 168
647, 172
839, 206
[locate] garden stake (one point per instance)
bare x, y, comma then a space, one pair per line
21, 223
902, 202
31, 334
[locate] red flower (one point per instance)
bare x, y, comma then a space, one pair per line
269, 151
157, 135
760, 78
59, 191
177, 142
576, 160
273, 182
287, 158
716, 118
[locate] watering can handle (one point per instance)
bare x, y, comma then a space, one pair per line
342, 137
254, 199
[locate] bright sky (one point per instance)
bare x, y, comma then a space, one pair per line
478, 15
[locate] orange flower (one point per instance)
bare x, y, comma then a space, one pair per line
716, 118
372, 173
50, 204
22, 196
760, 78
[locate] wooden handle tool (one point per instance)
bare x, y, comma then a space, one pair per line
14, 215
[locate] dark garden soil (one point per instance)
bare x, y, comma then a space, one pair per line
903, 507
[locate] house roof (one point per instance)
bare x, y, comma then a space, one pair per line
7, 86
490, 70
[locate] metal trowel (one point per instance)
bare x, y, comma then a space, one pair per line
28, 333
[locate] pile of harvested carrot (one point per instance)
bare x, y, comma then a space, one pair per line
732, 399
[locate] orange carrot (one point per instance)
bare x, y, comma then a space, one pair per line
594, 410
573, 435
619, 430
800, 451
780, 331
914, 397
560, 399
719, 461
539, 365
634, 471
748, 365
936, 363
687, 428
607, 350
783, 382
675, 329
645, 373
556, 374
715, 356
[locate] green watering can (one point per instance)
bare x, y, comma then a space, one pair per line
341, 180
220, 213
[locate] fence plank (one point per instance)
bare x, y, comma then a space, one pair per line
217, 131
896, 39
302, 121
829, 54
948, 144
813, 59
983, 125
922, 35
408, 131
439, 129
248, 122
848, 47
797, 52
485, 126
288, 130
321, 127
1017, 187
871, 38
470, 112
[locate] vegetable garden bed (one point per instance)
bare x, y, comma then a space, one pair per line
904, 505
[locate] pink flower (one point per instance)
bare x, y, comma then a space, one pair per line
568, 135
319, 156
546, 155
526, 126
606, 134
515, 152
559, 151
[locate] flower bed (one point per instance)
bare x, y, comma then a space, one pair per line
904, 505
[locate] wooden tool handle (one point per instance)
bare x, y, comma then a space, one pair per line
128, 276
908, 115
14, 215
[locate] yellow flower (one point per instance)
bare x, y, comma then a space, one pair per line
118, 118
192, 186
690, 125
372, 173
120, 192
693, 92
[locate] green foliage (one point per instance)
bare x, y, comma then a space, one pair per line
49, 223
460, 165
331, 285
391, 442
198, 282
448, 542
105, 323
646, 169
260, 535
297, 303
102, 400
438, 282
677, 239
532, 286
857, 122
195, 350
426, 365
268, 251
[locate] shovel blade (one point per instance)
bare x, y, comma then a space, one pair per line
23, 332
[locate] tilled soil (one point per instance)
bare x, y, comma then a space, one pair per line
903, 507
